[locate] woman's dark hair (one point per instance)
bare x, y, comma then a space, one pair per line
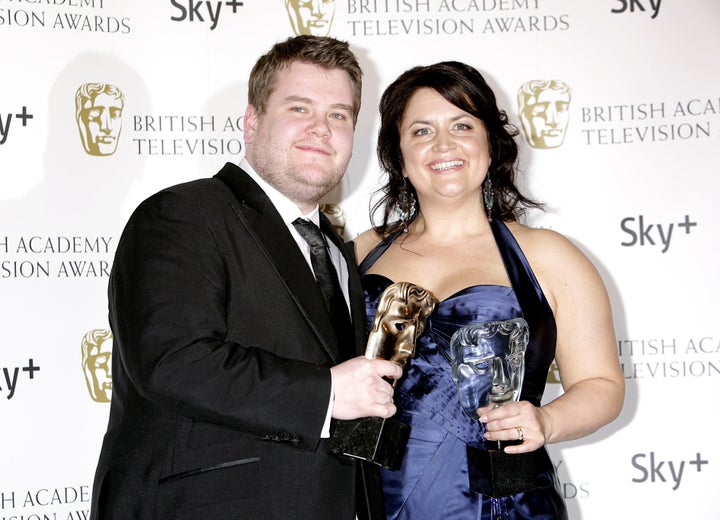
464, 87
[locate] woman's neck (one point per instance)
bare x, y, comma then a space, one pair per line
443, 223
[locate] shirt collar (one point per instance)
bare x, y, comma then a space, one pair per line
288, 209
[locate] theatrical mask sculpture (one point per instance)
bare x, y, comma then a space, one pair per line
399, 320
488, 364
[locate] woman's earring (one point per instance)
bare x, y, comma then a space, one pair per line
406, 204
488, 196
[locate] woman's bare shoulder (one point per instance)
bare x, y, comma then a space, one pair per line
365, 242
557, 261
542, 242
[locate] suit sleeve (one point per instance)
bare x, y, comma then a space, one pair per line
168, 297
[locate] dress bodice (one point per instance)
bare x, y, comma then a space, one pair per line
433, 481
427, 388
483, 303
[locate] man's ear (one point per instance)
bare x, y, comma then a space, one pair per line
250, 123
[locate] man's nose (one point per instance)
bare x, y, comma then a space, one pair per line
319, 125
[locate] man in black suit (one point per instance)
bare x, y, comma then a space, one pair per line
227, 367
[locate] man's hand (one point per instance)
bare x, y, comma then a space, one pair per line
361, 391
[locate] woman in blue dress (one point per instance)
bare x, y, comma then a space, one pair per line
449, 223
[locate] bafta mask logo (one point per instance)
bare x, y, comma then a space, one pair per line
553, 377
488, 362
98, 111
313, 17
336, 215
96, 347
543, 106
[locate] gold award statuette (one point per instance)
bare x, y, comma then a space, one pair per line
399, 321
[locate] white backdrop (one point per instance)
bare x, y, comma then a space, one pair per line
633, 184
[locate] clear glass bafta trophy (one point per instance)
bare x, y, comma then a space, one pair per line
399, 320
488, 363
488, 366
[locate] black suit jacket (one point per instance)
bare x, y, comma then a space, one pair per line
221, 380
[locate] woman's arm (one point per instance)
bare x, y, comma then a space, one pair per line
586, 351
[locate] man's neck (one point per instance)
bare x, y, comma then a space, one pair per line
288, 209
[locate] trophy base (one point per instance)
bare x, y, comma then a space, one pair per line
497, 474
376, 440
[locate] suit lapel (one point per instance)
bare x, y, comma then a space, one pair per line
266, 227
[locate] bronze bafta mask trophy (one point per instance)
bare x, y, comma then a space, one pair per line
488, 363
399, 321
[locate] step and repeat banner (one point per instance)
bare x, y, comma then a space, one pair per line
103, 102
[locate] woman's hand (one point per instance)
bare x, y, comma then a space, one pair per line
515, 421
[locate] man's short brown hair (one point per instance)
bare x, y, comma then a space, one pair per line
325, 52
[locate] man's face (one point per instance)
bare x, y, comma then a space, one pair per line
312, 17
101, 121
302, 144
546, 118
99, 369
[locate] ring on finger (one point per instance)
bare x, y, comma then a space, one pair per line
521, 436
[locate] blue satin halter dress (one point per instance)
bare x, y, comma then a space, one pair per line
432, 482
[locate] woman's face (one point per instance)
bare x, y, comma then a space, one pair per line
445, 149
